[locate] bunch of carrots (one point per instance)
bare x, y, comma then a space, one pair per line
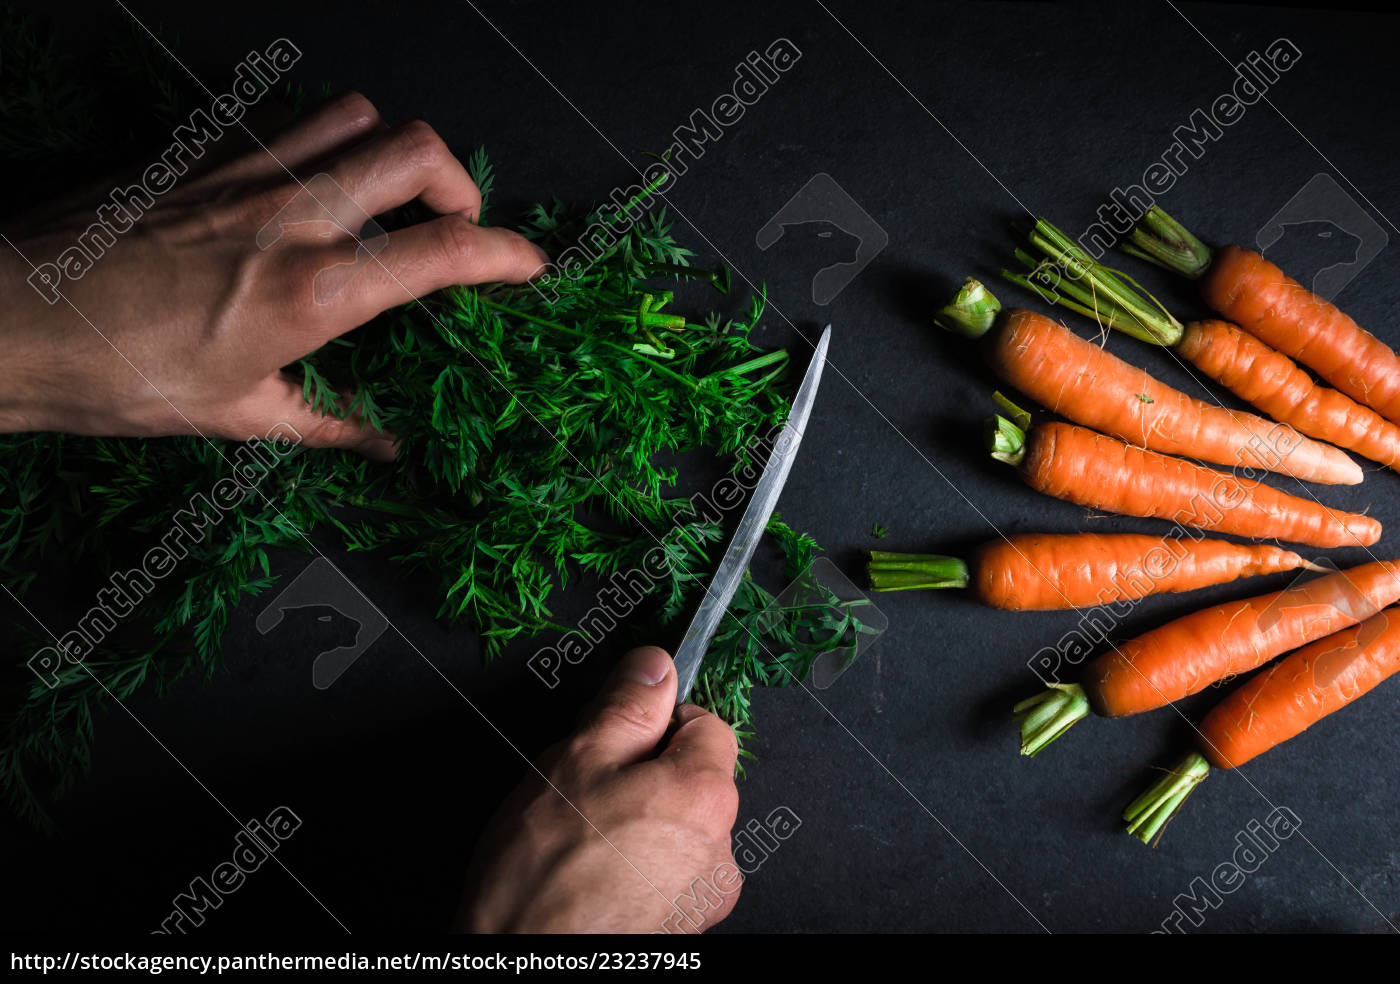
1135, 446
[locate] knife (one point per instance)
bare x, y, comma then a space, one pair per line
751, 525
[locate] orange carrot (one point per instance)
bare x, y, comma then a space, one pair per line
1286, 699
1190, 653
1080, 466
1253, 371
1273, 382
1047, 571
1273, 706
1078, 380
1279, 311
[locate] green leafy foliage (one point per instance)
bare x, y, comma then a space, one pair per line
539, 434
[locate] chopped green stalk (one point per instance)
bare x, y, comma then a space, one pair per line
972, 312
1005, 440
1048, 715
1044, 279
557, 326
906, 572
718, 278
1148, 815
648, 319
1158, 238
1114, 299
1105, 313
1021, 418
762, 361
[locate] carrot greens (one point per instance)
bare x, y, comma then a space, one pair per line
548, 436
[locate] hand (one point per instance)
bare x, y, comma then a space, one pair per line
182, 324
627, 835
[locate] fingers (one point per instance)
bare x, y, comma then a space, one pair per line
336, 125
702, 743
431, 255
410, 161
339, 123
278, 408
631, 714
700, 757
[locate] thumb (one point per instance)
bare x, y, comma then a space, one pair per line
276, 407
627, 721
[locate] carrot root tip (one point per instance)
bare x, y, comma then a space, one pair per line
1149, 814
1047, 715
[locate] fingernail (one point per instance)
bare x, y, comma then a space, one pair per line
542, 255
377, 449
648, 666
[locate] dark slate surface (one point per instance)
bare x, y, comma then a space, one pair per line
917, 813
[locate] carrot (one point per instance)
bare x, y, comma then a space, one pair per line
1082, 382
1273, 382
1190, 653
1256, 373
1080, 466
1048, 571
1273, 706
1279, 311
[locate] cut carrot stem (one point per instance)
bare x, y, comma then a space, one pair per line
1006, 439
1148, 814
904, 571
1160, 239
1073, 264
971, 312
1049, 714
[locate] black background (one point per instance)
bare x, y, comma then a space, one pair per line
917, 812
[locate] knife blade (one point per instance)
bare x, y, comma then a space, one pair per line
737, 555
